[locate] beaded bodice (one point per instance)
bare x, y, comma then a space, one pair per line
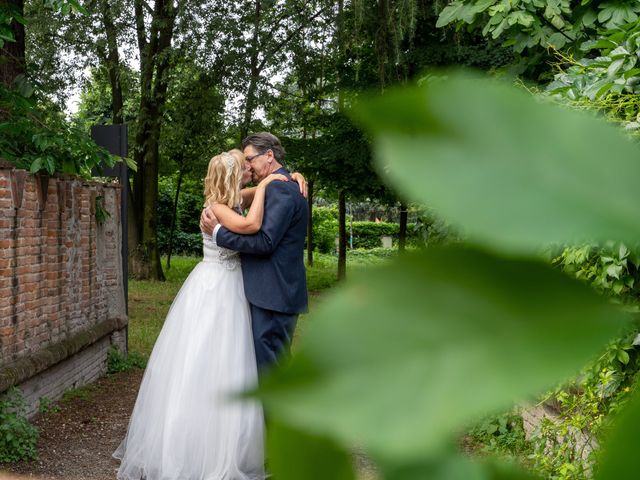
213, 253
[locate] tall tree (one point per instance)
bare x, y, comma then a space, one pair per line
154, 44
111, 59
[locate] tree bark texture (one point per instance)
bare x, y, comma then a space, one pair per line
155, 62
112, 60
402, 235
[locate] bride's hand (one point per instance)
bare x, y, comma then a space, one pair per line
274, 176
299, 179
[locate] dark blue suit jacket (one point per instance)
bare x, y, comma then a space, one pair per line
273, 259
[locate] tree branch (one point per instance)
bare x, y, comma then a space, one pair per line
268, 56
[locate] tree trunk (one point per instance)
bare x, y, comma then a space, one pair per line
172, 228
402, 235
113, 63
310, 224
12, 54
342, 236
154, 64
382, 41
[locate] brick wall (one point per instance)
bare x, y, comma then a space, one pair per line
60, 274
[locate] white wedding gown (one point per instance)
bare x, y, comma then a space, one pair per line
185, 425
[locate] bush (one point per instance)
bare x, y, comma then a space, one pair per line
369, 234
325, 228
188, 244
18, 438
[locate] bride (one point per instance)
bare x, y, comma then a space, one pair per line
186, 425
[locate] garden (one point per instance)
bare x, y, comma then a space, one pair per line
472, 255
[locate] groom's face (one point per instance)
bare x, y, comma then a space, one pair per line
260, 162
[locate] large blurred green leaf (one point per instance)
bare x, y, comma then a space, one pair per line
512, 172
621, 459
457, 468
295, 455
407, 356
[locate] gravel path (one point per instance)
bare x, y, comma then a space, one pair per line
77, 440
79, 434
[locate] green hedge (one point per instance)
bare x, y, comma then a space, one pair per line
368, 234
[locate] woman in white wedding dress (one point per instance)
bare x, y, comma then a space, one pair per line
186, 425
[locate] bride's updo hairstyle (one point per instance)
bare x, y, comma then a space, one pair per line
222, 183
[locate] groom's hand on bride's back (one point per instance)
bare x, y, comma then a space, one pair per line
208, 221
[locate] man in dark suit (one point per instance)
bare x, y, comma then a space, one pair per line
272, 259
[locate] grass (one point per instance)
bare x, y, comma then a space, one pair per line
149, 301
83, 393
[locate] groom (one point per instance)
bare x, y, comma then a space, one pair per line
272, 259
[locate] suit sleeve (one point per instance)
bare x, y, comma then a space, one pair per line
278, 211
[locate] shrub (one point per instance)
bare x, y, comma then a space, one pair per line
325, 228
189, 244
369, 234
18, 438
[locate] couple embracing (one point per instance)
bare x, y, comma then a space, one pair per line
233, 317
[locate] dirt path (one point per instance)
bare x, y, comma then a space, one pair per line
76, 441
79, 434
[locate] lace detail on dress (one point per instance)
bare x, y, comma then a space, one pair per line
229, 259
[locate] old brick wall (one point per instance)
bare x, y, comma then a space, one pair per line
61, 286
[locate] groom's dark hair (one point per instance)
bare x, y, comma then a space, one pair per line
263, 141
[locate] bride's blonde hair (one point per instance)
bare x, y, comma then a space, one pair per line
222, 183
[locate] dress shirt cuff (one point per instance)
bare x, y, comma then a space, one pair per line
215, 232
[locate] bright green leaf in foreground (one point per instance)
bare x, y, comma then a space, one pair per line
512, 172
457, 468
621, 458
403, 359
295, 455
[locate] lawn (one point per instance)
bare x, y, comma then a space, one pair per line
149, 301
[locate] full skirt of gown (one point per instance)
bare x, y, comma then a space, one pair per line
187, 423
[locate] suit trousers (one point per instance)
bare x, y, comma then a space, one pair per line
272, 335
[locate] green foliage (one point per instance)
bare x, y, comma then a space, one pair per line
535, 25
38, 139
621, 459
18, 438
609, 69
307, 453
83, 393
447, 335
325, 228
187, 239
101, 213
503, 199
502, 434
480, 309
565, 447
369, 234
119, 362
95, 105
611, 269
47, 406
9, 14
187, 244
